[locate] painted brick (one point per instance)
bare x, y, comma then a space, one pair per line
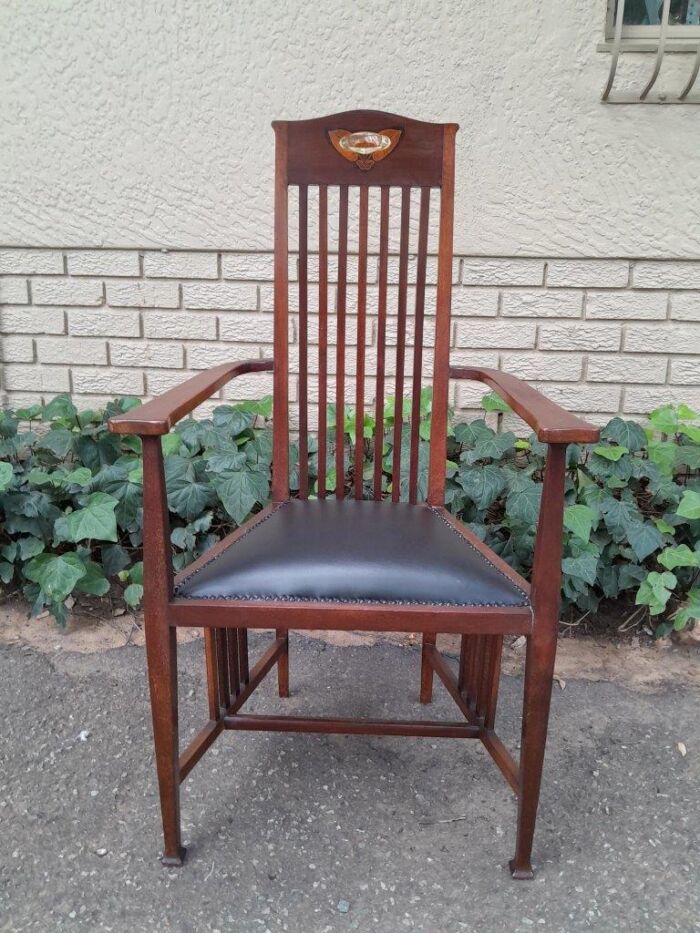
31, 261
229, 296
582, 398
657, 274
103, 262
663, 338
685, 307
179, 326
13, 291
577, 336
71, 350
143, 294
474, 302
181, 265
160, 381
204, 355
496, 334
626, 305
502, 271
542, 303
685, 372
562, 367
109, 380
252, 386
246, 328
67, 291
621, 368
470, 394
104, 322
587, 273
640, 399
37, 378
162, 354
246, 266
486, 358
20, 320
16, 349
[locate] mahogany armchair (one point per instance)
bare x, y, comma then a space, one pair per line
350, 557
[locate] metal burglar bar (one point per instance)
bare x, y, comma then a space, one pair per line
645, 96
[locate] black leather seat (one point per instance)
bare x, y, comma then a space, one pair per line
353, 551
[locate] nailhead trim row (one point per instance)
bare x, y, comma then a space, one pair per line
257, 597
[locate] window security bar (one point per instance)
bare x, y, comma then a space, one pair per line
645, 97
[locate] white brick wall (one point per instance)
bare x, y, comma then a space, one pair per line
599, 335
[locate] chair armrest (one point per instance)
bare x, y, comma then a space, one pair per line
160, 414
551, 423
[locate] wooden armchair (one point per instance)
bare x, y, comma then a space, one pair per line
346, 557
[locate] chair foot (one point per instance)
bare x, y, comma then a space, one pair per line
174, 861
521, 872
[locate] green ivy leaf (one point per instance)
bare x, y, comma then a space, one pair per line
689, 506
94, 582
56, 574
133, 595
30, 547
680, 556
585, 567
689, 611
612, 452
114, 558
644, 539
79, 477
626, 433
188, 494
58, 440
523, 502
95, 521
170, 444
655, 591
60, 407
6, 475
663, 454
664, 420
579, 519
240, 490
493, 402
483, 484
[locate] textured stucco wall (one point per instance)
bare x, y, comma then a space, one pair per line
141, 123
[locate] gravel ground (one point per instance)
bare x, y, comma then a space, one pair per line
326, 833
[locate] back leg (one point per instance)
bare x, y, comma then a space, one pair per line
283, 663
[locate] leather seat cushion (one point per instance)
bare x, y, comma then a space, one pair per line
353, 551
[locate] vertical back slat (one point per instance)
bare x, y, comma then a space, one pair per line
303, 344
280, 438
361, 340
322, 337
340, 344
400, 341
381, 340
438, 424
418, 342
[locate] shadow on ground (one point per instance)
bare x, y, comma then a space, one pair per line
322, 833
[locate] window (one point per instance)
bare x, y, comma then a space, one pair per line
642, 19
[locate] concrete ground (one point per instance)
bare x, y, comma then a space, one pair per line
325, 833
